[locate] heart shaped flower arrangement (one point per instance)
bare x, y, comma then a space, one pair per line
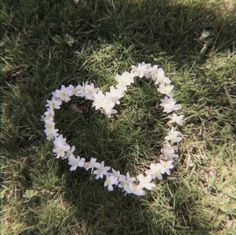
105, 102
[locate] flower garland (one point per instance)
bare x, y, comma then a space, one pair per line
105, 102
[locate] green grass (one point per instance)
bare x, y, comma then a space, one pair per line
48, 43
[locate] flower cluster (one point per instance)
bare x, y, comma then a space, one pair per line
105, 102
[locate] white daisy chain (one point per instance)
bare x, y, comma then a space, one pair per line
106, 102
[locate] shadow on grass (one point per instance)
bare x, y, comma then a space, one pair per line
151, 31
156, 31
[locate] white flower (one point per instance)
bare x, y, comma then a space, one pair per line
50, 130
154, 72
90, 164
51, 133
48, 114
169, 104
115, 95
81, 162
138, 71
174, 118
105, 103
71, 90
145, 181
49, 122
173, 136
155, 171
79, 91
70, 152
136, 190
168, 151
111, 180
63, 94
75, 162
166, 89
161, 78
124, 80
128, 183
101, 170
72, 161
98, 100
90, 91
166, 166
54, 103
60, 146
121, 178
142, 70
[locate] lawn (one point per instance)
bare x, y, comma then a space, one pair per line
47, 43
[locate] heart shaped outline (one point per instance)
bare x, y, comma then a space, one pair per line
106, 103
